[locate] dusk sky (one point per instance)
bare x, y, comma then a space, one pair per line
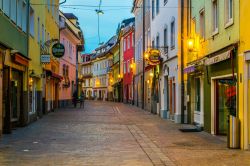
114, 12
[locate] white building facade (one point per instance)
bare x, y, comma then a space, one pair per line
164, 36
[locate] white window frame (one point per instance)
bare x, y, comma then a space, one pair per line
215, 17
202, 23
1, 4
172, 33
229, 12
13, 10
32, 21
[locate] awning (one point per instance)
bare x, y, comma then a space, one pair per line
218, 58
54, 75
22, 60
189, 69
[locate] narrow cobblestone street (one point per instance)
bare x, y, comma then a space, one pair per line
113, 134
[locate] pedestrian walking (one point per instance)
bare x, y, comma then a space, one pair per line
82, 98
74, 98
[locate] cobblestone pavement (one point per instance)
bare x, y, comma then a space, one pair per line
113, 134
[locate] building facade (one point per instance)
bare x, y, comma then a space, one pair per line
86, 75
14, 64
127, 38
70, 38
243, 70
212, 65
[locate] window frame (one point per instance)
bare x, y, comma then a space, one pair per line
229, 13
215, 17
172, 33
202, 30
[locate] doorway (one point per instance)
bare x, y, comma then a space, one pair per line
172, 98
225, 104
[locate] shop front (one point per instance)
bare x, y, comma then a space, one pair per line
15, 108
195, 73
52, 91
221, 77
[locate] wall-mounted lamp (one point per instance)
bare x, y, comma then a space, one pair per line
190, 44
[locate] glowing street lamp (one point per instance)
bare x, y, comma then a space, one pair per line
190, 44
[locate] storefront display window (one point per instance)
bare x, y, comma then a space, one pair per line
225, 103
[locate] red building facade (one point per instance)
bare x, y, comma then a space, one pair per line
128, 63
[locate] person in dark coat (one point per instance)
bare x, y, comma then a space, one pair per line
82, 97
74, 98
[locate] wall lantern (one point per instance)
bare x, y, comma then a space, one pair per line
190, 44
151, 74
119, 76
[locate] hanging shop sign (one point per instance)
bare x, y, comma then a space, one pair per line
45, 59
153, 57
58, 50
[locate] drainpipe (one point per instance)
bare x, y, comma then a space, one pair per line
182, 63
143, 49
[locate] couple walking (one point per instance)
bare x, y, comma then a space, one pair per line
79, 99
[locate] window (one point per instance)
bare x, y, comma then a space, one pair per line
6, 7
48, 3
1, 4
165, 40
19, 13
24, 16
153, 9
38, 30
157, 6
128, 66
128, 42
197, 95
157, 41
133, 40
52, 7
149, 42
43, 34
13, 9
215, 16
124, 44
124, 68
202, 24
153, 44
173, 33
32, 14
229, 11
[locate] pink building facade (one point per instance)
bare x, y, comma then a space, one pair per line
68, 63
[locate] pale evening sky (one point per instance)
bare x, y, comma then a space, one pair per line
114, 12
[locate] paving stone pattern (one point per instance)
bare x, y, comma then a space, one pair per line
113, 134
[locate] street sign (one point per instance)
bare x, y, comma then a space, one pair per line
58, 50
45, 58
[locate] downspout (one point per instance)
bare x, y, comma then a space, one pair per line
143, 49
182, 63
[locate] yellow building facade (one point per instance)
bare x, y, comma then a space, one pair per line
244, 73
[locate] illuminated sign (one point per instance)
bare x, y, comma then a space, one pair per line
153, 57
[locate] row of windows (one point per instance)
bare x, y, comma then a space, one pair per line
87, 70
128, 42
156, 42
101, 65
126, 66
215, 17
69, 47
16, 10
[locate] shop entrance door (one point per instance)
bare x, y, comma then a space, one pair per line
172, 99
225, 104
16, 88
